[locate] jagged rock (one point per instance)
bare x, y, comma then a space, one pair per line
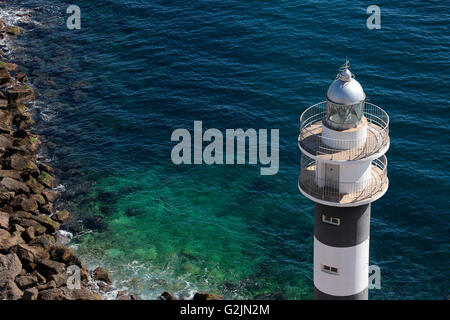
44, 241
10, 264
47, 180
102, 275
10, 267
23, 121
4, 220
22, 77
6, 142
103, 286
50, 195
166, 295
20, 94
13, 174
39, 199
65, 293
51, 225
34, 186
4, 104
6, 121
40, 277
200, 296
65, 255
6, 195
84, 273
30, 254
60, 279
9, 290
29, 234
26, 282
26, 220
47, 208
49, 267
61, 216
5, 77
30, 294
28, 144
8, 66
48, 285
45, 167
23, 164
7, 240
29, 204
14, 185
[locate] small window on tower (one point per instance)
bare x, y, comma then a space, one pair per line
331, 270
331, 220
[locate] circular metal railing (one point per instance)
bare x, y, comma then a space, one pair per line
325, 189
311, 139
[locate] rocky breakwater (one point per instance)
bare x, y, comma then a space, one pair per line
32, 263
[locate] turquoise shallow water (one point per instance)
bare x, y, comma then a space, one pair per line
110, 95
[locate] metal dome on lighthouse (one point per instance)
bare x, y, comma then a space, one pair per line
343, 170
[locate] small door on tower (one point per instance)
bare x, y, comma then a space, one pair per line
332, 175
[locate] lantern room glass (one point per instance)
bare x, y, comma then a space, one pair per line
342, 117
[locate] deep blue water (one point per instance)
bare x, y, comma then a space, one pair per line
110, 95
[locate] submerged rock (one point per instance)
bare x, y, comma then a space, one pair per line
13, 30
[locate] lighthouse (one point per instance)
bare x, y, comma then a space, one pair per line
343, 170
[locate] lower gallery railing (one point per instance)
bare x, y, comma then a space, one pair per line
343, 192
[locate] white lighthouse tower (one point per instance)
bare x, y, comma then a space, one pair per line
343, 170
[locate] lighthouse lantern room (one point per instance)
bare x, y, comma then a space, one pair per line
343, 170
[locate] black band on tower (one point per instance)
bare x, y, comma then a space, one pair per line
341, 227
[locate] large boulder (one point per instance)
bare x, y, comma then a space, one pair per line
51, 225
30, 294
4, 76
34, 186
44, 241
49, 267
47, 180
51, 195
4, 220
65, 255
14, 185
23, 164
7, 240
26, 282
14, 174
102, 275
65, 293
10, 267
20, 94
30, 254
